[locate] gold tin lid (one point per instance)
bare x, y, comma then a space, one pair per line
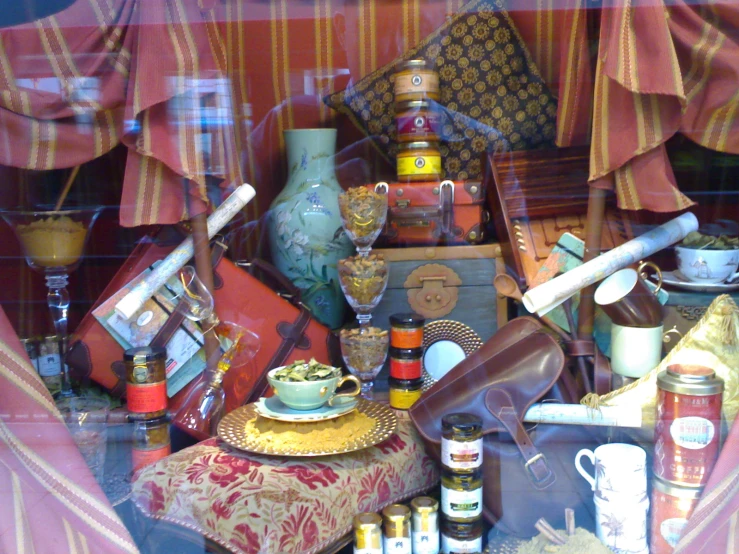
412, 105
396, 513
669, 489
414, 64
691, 380
367, 521
424, 505
418, 145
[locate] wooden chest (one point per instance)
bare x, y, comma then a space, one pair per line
444, 282
682, 312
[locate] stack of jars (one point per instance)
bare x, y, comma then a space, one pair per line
146, 394
406, 360
461, 483
418, 123
400, 530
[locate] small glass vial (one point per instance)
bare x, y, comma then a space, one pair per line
461, 538
406, 330
461, 495
50, 364
397, 529
425, 528
461, 442
367, 534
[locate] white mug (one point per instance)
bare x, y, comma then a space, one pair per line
619, 468
621, 523
635, 351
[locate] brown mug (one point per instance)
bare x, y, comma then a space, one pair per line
628, 301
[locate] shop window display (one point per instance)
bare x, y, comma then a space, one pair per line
542, 198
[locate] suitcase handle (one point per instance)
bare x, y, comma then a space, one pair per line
443, 214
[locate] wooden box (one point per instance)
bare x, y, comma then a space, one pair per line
444, 282
682, 311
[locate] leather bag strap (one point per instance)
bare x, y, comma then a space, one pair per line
289, 290
537, 468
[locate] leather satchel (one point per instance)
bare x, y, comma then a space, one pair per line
528, 471
286, 330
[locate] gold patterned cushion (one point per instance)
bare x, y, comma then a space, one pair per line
253, 504
492, 96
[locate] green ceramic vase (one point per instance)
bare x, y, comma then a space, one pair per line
305, 234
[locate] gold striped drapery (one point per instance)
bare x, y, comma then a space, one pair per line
662, 68
51, 501
144, 73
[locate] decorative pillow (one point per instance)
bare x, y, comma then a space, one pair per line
713, 342
250, 503
492, 96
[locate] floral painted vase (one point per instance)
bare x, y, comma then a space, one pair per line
305, 234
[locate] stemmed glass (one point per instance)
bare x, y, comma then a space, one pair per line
204, 406
53, 243
363, 215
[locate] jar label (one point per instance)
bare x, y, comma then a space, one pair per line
692, 432
421, 125
454, 546
672, 529
425, 543
419, 165
417, 82
141, 458
142, 399
397, 545
405, 369
406, 338
401, 399
49, 365
461, 504
461, 455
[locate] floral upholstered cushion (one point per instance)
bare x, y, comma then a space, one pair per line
250, 503
492, 96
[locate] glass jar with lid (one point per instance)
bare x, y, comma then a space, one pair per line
419, 161
461, 538
367, 534
397, 529
461, 495
416, 80
461, 442
425, 525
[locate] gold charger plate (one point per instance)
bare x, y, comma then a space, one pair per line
245, 429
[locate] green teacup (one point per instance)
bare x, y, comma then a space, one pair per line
309, 395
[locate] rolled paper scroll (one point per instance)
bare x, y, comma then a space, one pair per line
549, 295
577, 414
134, 300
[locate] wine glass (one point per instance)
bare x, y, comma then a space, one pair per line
363, 281
364, 351
198, 301
363, 214
53, 243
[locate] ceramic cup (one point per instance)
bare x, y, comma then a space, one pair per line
707, 266
635, 351
309, 395
619, 468
628, 301
621, 523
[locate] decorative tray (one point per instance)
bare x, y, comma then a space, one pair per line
370, 424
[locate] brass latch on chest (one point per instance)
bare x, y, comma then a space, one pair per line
432, 290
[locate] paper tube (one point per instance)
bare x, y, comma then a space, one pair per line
577, 414
134, 300
549, 295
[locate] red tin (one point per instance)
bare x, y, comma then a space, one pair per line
688, 424
671, 509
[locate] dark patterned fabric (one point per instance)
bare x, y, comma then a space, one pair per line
492, 96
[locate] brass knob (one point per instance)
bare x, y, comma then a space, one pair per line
435, 190
473, 235
438, 298
428, 298
399, 192
473, 189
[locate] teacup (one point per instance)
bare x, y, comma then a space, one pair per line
309, 395
628, 301
707, 266
619, 468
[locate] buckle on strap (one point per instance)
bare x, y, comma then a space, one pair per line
545, 480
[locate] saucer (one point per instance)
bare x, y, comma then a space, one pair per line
273, 408
677, 279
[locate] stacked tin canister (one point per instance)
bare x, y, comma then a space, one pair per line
686, 447
406, 360
461, 483
418, 123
